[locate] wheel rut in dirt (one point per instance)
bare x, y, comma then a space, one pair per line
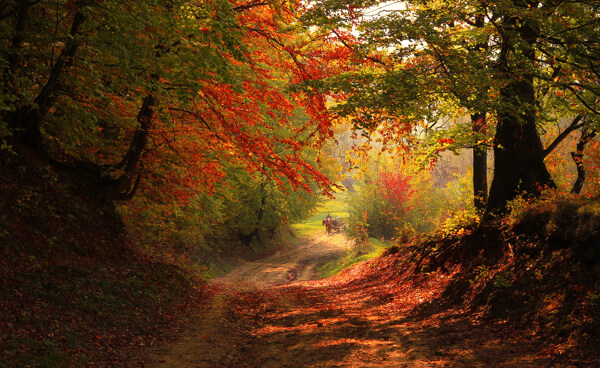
295, 263
220, 334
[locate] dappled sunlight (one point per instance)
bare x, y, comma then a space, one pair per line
371, 315
283, 184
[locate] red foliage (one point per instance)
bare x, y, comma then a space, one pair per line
396, 188
445, 141
241, 112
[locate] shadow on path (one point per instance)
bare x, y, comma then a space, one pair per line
364, 317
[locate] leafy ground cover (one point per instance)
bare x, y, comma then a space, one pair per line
537, 271
73, 291
402, 309
83, 312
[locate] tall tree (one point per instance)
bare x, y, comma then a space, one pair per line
498, 58
518, 152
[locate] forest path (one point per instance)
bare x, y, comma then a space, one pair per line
269, 314
299, 262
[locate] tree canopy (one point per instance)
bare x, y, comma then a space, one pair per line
176, 97
162, 94
506, 59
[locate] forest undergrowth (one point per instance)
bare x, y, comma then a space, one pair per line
535, 270
74, 291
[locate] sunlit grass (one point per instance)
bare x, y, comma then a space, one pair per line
353, 256
335, 207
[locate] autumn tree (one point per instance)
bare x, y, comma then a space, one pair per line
497, 61
418, 86
154, 94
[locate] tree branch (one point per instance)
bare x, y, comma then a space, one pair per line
341, 39
250, 6
565, 133
47, 95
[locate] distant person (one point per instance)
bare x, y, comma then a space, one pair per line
328, 223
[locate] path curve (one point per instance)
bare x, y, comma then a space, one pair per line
267, 315
217, 336
299, 262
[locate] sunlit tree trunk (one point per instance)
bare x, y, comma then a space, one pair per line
480, 182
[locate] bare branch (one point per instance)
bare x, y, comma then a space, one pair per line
565, 133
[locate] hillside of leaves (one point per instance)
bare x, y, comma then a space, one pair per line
73, 289
537, 271
519, 292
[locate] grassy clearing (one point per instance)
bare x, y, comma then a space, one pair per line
335, 207
353, 256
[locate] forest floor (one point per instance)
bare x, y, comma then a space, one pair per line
275, 313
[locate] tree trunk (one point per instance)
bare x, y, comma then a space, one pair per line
26, 121
125, 187
518, 152
17, 41
247, 239
518, 162
480, 183
586, 136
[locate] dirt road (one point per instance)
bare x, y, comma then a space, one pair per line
296, 263
220, 334
268, 314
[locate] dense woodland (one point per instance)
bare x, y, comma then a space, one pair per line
149, 145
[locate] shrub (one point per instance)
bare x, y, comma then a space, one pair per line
556, 216
379, 208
